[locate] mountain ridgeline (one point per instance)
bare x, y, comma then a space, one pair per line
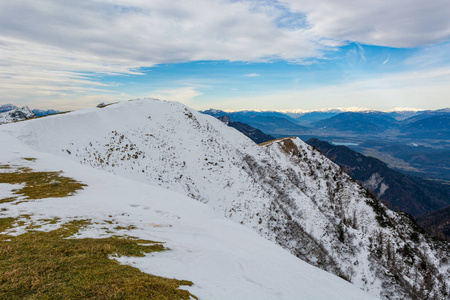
284, 189
268, 122
254, 134
373, 122
402, 123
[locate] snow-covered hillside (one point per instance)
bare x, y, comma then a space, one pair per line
223, 259
285, 191
15, 114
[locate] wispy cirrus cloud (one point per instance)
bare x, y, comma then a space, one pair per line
252, 75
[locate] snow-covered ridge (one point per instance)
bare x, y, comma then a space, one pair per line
223, 259
285, 190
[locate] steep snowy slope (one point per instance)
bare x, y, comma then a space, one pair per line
285, 191
223, 259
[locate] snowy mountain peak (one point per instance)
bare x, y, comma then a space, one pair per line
7, 107
16, 114
284, 190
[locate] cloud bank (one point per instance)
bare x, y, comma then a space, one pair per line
58, 48
399, 23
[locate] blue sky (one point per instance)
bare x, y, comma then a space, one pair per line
249, 54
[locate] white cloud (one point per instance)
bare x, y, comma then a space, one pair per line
361, 53
67, 42
183, 94
399, 23
158, 31
51, 76
252, 75
423, 90
56, 48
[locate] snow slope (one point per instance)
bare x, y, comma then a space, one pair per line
225, 260
285, 191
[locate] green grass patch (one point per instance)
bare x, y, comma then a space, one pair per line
40, 185
50, 265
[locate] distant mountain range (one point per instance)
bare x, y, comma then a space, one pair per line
269, 122
374, 122
310, 117
359, 122
363, 122
11, 113
437, 125
16, 114
403, 115
40, 112
7, 107
427, 114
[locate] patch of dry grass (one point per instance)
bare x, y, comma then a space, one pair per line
275, 140
39, 185
48, 265
129, 227
29, 158
8, 199
286, 143
51, 265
